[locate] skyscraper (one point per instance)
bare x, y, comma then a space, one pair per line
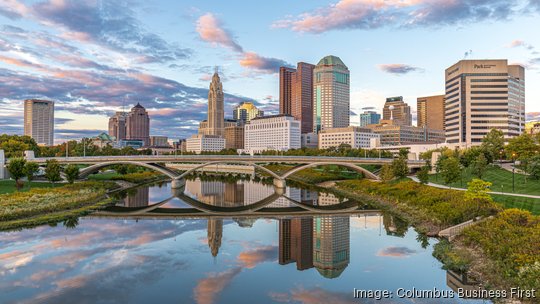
331, 94
39, 121
246, 111
214, 235
482, 95
117, 125
296, 242
369, 117
331, 247
216, 118
138, 125
398, 111
285, 89
430, 111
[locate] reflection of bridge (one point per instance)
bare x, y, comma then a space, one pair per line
157, 163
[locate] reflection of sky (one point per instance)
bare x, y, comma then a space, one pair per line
106, 260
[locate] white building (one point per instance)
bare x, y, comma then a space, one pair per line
356, 137
199, 143
39, 121
277, 132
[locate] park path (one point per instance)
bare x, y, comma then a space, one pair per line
414, 178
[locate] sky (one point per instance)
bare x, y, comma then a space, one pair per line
96, 57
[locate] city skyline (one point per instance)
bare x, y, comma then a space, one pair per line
91, 69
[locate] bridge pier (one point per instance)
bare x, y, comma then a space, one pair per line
178, 183
3, 169
279, 183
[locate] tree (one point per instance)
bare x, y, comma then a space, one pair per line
523, 146
30, 169
493, 144
387, 173
404, 153
450, 170
16, 170
533, 167
399, 167
478, 189
423, 175
52, 171
479, 166
72, 173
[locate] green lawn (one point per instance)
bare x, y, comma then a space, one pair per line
103, 176
500, 178
8, 186
525, 203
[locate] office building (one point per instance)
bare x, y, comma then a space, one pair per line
398, 111
296, 87
482, 95
331, 94
39, 121
159, 141
309, 140
216, 112
396, 135
276, 132
296, 242
117, 125
355, 137
369, 117
331, 245
203, 125
286, 75
234, 137
430, 111
200, 143
246, 111
138, 125
214, 235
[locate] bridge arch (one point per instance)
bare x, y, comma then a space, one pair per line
272, 173
358, 169
94, 168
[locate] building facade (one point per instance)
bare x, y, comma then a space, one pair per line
355, 137
159, 141
277, 132
39, 121
430, 111
138, 125
482, 95
309, 140
331, 94
331, 245
395, 135
216, 112
117, 125
246, 111
398, 111
296, 88
234, 137
200, 143
296, 242
369, 117
285, 90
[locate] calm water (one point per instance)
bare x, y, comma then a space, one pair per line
239, 259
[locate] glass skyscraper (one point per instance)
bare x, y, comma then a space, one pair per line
369, 117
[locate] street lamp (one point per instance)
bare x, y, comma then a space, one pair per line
84, 146
514, 172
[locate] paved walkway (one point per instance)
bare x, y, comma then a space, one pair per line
414, 178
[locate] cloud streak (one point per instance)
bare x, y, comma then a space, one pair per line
398, 68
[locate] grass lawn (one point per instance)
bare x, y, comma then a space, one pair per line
8, 186
103, 176
525, 203
500, 178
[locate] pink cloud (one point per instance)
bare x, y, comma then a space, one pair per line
211, 30
209, 288
396, 252
398, 68
255, 61
315, 295
250, 259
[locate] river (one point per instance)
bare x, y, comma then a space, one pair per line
284, 251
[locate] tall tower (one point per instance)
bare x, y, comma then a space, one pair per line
117, 125
138, 125
216, 114
331, 247
215, 233
39, 121
296, 94
331, 94
286, 76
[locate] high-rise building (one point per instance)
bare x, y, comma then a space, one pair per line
246, 111
430, 111
398, 111
331, 94
276, 132
39, 121
138, 125
369, 117
117, 125
214, 235
285, 89
482, 95
296, 242
216, 123
331, 247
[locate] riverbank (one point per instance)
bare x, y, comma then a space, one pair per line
502, 252
40, 206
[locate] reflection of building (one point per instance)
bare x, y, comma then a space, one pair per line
327, 199
138, 199
331, 94
234, 194
430, 111
355, 137
246, 111
296, 242
482, 95
39, 121
277, 132
215, 233
138, 125
331, 245
398, 111
460, 282
394, 225
245, 222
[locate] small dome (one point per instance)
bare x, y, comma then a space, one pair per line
331, 60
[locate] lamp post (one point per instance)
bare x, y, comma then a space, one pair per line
84, 146
514, 172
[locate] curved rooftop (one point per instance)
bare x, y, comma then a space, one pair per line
331, 60
330, 273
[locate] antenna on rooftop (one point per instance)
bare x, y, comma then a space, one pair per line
216, 69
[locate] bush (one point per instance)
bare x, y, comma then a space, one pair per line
453, 260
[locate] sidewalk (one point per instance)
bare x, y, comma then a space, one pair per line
414, 178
